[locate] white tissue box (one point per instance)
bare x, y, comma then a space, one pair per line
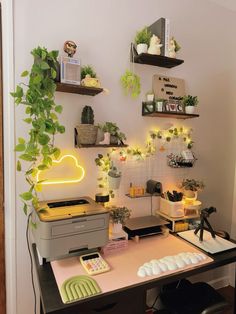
172, 209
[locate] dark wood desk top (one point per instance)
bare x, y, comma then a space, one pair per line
52, 303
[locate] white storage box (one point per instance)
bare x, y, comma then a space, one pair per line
172, 209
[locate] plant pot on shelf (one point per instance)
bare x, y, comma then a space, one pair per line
116, 227
190, 196
87, 133
142, 48
114, 140
114, 182
189, 109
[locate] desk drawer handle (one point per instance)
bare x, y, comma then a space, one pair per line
105, 308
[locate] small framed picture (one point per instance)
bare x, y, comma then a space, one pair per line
167, 107
179, 107
172, 106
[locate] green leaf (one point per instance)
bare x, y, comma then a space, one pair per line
53, 116
18, 165
37, 79
25, 73
42, 210
28, 120
25, 208
44, 65
21, 140
19, 91
20, 147
27, 157
42, 167
53, 73
43, 55
43, 139
26, 196
56, 153
61, 129
59, 109
29, 172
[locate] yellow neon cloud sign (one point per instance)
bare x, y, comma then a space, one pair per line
68, 176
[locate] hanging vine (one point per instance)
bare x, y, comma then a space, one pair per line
38, 150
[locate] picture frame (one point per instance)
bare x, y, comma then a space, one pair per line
180, 107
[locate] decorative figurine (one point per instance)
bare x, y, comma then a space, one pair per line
70, 48
155, 46
174, 47
91, 81
172, 53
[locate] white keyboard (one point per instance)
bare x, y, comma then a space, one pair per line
170, 263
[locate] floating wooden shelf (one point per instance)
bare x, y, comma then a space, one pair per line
144, 195
146, 58
78, 89
100, 145
175, 115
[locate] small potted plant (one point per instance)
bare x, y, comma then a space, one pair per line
116, 137
190, 102
191, 187
89, 77
142, 40
118, 216
130, 83
150, 96
114, 178
87, 131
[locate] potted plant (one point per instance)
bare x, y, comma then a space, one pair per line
118, 216
38, 99
149, 96
116, 137
142, 40
191, 187
89, 77
130, 83
190, 102
114, 178
87, 131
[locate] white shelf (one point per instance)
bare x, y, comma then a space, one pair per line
173, 220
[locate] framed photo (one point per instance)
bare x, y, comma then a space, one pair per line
172, 106
166, 106
180, 107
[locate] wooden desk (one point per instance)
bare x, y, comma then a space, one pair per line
128, 299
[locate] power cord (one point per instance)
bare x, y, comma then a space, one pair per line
31, 262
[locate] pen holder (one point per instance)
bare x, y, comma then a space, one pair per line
172, 209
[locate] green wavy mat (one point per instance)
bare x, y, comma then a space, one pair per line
78, 287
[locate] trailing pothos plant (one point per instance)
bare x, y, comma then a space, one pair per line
37, 97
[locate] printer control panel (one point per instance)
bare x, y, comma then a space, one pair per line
94, 263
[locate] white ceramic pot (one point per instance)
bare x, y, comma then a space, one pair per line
142, 48
150, 97
114, 182
116, 227
189, 109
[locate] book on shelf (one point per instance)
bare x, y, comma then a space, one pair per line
161, 28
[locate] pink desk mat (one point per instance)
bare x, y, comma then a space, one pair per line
124, 264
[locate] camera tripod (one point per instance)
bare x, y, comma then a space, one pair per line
205, 213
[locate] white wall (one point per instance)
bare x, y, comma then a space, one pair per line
103, 31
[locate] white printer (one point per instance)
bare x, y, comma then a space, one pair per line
69, 226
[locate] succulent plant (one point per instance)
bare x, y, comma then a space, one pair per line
87, 116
